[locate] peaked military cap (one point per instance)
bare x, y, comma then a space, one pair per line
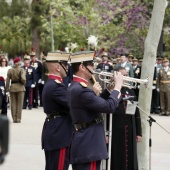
130, 55
159, 58
26, 57
57, 56
44, 57
82, 56
32, 53
104, 54
165, 60
134, 59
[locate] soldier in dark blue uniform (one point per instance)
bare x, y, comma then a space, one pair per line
105, 66
58, 128
30, 83
137, 75
44, 77
88, 146
38, 69
3, 98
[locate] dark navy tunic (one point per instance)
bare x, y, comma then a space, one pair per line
89, 144
30, 75
56, 132
105, 66
38, 69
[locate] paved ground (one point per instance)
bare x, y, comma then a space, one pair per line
25, 143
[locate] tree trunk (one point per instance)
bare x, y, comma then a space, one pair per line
151, 44
36, 41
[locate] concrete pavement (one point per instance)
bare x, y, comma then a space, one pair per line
25, 143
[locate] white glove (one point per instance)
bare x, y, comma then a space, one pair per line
42, 82
39, 81
32, 85
153, 87
157, 89
7, 93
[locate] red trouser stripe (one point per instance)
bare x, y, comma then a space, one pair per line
61, 159
93, 165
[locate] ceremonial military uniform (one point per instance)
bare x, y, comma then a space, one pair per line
104, 66
88, 146
30, 84
155, 94
137, 75
58, 128
163, 83
44, 77
38, 71
17, 89
3, 98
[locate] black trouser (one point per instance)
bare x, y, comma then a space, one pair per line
155, 101
28, 97
35, 96
95, 165
41, 86
3, 104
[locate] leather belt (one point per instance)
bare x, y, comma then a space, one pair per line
165, 82
55, 115
85, 125
14, 82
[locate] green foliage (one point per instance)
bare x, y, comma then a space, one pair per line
73, 21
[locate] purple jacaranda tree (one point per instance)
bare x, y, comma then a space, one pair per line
130, 19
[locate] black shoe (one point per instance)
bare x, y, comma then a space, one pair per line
36, 107
41, 105
24, 108
162, 113
29, 108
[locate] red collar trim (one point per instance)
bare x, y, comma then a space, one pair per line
79, 80
55, 77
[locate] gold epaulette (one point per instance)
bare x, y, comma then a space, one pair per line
58, 82
83, 84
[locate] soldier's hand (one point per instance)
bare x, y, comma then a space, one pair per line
97, 88
107, 139
138, 138
118, 80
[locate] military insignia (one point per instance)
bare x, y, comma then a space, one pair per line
83, 84
35, 65
58, 82
137, 71
106, 67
